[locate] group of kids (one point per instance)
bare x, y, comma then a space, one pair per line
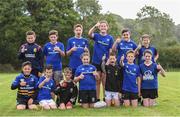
123, 81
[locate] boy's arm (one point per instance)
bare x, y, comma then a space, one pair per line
118, 40
41, 84
78, 78
162, 71
139, 86
122, 61
21, 53
96, 75
156, 57
91, 31
69, 52
103, 64
15, 84
136, 51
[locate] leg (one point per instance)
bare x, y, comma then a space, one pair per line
151, 102
44, 104
126, 103
69, 105
108, 102
62, 106
53, 105
116, 102
146, 102
91, 105
85, 105
21, 107
103, 84
33, 107
116, 99
134, 103
98, 85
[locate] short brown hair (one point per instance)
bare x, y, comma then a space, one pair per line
30, 33
145, 36
26, 63
67, 69
78, 25
148, 51
104, 21
125, 30
85, 54
130, 52
48, 67
112, 54
53, 32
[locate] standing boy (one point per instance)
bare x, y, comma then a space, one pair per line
32, 52
53, 52
75, 47
102, 45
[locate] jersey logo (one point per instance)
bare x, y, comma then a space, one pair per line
35, 50
148, 75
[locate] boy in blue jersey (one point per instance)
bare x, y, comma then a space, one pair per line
145, 40
131, 80
53, 52
102, 46
66, 91
86, 75
46, 87
124, 44
149, 82
75, 47
27, 91
32, 52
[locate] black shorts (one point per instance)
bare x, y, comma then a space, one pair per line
24, 101
149, 93
98, 67
87, 96
129, 95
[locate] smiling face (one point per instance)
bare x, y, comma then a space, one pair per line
48, 73
53, 38
103, 27
68, 74
126, 36
27, 70
85, 60
30, 38
130, 58
145, 41
78, 31
147, 57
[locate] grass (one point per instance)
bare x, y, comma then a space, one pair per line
168, 102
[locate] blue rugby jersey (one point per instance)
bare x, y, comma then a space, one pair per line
123, 47
141, 52
89, 81
28, 91
46, 89
33, 53
130, 73
102, 45
149, 76
53, 57
74, 59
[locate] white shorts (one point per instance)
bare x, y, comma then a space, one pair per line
47, 102
109, 95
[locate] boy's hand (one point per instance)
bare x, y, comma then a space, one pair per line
81, 76
97, 24
118, 40
56, 48
122, 58
23, 49
86, 49
30, 101
22, 83
139, 45
46, 79
104, 57
95, 73
74, 48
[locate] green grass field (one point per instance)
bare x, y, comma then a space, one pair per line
168, 102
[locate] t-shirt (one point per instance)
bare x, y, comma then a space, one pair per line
114, 78
102, 45
149, 76
53, 57
46, 89
74, 59
123, 47
130, 72
89, 81
141, 52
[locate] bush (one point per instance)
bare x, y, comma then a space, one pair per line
6, 68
